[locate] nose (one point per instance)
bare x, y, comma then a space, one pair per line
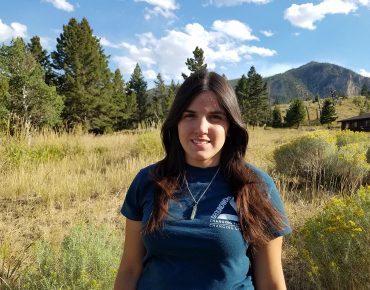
201, 127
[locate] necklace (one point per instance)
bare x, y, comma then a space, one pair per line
195, 206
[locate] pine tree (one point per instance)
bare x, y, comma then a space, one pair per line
4, 94
138, 85
295, 113
172, 91
43, 58
365, 91
328, 113
159, 102
242, 91
257, 102
123, 109
196, 63
276, 118
252, 95
26, 97
85, 79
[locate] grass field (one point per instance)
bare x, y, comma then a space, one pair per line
52, 182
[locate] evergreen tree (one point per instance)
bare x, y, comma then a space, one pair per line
4, 93
252, 95
295, 113
138, 85
365, 91
132, 108
123, 109
85, 79
172, 91
25, 95
43, 58
257, 102
242, 91
276, 118
196, 63
328, 113
159, 101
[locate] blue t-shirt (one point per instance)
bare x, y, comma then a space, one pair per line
206, 253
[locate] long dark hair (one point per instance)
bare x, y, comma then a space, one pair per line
256, 214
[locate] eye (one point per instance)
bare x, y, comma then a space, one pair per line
218, 117
188, 115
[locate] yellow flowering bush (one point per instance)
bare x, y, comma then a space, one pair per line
335, 243
348, 137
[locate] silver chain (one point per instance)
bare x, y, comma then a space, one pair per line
195, 206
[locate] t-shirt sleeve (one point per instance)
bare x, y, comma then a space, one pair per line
275, 199
132, 208
274, 196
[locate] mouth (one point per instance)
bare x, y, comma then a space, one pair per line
200, 141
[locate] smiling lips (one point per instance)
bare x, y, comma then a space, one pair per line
200, 141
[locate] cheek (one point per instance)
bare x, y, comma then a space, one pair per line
181, 129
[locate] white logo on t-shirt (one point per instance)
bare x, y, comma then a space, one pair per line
226, 220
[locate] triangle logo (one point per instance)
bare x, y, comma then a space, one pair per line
225, 216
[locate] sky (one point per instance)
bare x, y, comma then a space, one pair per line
272, 35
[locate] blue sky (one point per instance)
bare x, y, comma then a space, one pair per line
272, 35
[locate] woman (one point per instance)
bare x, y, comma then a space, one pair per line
202, 218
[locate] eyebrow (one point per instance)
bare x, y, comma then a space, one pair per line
217, 112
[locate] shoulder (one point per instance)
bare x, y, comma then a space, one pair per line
146, 171
262, 175
266, 181
143, 179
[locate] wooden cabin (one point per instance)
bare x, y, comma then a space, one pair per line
357, 123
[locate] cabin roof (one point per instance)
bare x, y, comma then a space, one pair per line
355, 118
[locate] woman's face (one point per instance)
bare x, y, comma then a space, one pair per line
202, 130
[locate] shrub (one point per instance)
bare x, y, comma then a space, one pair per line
148, 143
335, 243
350, 166
88, 259
326, 159
349, 137
14, 153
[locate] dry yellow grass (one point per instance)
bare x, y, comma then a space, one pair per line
43, 199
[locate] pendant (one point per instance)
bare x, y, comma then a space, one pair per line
193, 212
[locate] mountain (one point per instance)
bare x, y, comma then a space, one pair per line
314, 79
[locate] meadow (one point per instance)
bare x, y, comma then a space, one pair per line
60, 199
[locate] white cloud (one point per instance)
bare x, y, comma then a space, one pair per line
126, 64
165, 8
105, 42
307, 15
15, 29
167, 54
220, 3
270, 69
62, 5
261, 51
47, 43
150, 74
235, 29
267, 33
364, 73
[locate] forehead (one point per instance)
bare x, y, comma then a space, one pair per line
206, 101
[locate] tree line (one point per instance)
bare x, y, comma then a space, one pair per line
73, 85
